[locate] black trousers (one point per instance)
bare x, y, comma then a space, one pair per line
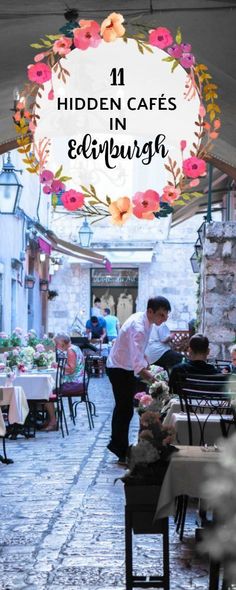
169, 359
124, 387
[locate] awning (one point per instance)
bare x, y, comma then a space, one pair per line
70, 249
130, 256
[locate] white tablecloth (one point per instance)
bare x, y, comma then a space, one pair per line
184, 476
18, 406
212, 429
36, 386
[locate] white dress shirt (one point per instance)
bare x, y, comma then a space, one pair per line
156, 347
128, 350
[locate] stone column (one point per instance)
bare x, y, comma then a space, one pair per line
218, 287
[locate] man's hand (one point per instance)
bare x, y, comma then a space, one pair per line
146, 375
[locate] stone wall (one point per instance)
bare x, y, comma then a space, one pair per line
218, 287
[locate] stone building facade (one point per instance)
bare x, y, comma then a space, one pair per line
168, 273
218, 287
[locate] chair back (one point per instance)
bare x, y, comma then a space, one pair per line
203, 397
61, 363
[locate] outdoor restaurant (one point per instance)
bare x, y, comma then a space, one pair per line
118, 295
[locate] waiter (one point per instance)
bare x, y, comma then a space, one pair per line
127, 359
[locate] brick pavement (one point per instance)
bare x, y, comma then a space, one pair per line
62, 518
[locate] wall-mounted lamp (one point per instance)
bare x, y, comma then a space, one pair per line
10, 187
195, 263
29, 281
85, 234
43, 285
42, 256
202, 232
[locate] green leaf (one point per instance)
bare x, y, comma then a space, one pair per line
178, 37
85, 190
108, 200
140, 48
53, 37
196, 194
175, 64
36, 46
125, 39
180, 202
65, 178
168, 58
92, 202
147, 48
58, 172
92, 190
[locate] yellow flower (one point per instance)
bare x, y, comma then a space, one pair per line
120, 210
111, 27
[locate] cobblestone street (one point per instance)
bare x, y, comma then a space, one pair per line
62, 518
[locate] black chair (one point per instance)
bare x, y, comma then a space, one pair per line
57, 397
139, 520
201, 396
80, 392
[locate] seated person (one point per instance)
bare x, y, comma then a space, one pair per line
112, 324
74, 374
96, 328
158, 350
195, 365
232, 351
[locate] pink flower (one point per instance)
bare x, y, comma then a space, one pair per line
87, 35
40, 348
146, 400
62, 46
51, 94
187, 60
194, 182
183, 144
175, 51
186, 47
160, 37
32, 126
47, 189
57, 186
39, 73
145, 204
72, 200
194, 167
46, 176
139, 395
170, 194
112, 28
39, 56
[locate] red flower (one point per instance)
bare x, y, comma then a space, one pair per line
87, 35
145, 204
72, 200
160, 37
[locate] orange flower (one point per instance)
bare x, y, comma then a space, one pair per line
111, 27
120, 210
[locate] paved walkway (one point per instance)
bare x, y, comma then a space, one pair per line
62, 518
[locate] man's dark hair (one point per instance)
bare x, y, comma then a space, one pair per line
107, 310
156, 303
94, 319
97, 300
199, 343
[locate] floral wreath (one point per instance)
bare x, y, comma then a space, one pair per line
79, 36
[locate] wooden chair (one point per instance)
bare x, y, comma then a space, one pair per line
139, 519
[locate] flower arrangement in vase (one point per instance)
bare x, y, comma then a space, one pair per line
13, 357
16, 337
42, 359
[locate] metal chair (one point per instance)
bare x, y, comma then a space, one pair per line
81, 392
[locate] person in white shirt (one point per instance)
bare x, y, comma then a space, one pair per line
159, 350
96, 309
127, 359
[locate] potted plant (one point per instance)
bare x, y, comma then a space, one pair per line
5, 342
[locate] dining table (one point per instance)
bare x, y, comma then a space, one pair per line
187, 470
37, 385
176, 418
15, 398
